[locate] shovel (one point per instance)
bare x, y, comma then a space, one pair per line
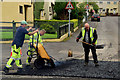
97, 46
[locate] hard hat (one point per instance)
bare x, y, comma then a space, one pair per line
24, 22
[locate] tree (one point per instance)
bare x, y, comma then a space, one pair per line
74, 13
95, 6
82, 11
62, 13
60, 10
37, 7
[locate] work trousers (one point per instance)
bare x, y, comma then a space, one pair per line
31, 50
15, 57
87, 50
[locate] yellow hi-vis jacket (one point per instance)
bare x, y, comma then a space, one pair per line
35, 37
91, 34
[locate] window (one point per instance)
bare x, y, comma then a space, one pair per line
101, 2
100, 9
42, 13
108, 2
114, 8
115, 2
21, 9
50, 9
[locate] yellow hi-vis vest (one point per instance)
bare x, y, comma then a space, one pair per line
91, 34
35, 37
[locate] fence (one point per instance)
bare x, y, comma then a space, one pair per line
60, 27
63, 29
8, 33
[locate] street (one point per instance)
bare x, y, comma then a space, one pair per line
107, 30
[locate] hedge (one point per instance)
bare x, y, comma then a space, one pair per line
57, 23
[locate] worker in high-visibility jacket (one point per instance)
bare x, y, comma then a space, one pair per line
16, 47
34, 39
89, 35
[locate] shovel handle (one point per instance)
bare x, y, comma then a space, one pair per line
86, 43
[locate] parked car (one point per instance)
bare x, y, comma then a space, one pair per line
95, 17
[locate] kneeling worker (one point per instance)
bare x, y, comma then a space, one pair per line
34, 39
89, 35
16, 45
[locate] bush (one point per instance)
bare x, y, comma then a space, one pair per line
75, 21
49, 29
57, 23
55, 17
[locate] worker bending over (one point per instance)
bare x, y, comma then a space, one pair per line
16, 45
34, 39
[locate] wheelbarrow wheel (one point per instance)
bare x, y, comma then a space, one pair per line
39, 63
52, 63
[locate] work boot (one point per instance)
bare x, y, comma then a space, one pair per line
86, 64
5, 70
20, 70
96, 64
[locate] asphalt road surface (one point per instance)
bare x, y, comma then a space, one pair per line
107, 31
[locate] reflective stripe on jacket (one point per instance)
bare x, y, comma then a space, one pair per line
35, 37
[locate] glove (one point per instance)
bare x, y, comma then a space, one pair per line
77, 40
93, 44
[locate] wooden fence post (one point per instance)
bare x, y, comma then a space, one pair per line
14, 29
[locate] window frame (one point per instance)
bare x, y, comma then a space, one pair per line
20, 9
115, 2
100, 2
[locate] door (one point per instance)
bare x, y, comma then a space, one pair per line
25, 7
107, 11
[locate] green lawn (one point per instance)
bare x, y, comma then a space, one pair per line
6, 30
9, 35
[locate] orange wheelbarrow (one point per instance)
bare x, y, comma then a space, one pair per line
43, 58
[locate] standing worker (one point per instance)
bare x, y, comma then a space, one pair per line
89, 35
16, 44
34, 39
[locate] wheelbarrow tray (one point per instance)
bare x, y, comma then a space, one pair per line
42, 52
39, 62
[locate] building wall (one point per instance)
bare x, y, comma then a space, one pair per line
119, 8
47, 11
11, 11
110, 6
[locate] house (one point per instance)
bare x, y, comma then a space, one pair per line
47, 12
108, 7
16, 11
119, 8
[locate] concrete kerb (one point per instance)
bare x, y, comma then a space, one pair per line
48, 77
46, 40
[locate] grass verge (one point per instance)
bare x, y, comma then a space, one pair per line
9, 35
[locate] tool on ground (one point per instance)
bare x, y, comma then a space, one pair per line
70, 54
97, 46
